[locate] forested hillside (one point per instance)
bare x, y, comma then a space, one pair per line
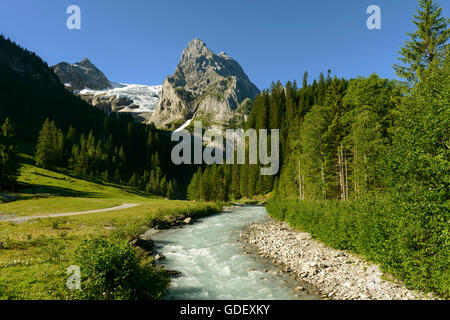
66, 132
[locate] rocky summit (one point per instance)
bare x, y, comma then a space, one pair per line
81, 75
205, 86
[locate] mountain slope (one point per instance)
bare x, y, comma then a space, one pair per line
205, 86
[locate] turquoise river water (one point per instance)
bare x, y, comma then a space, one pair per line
214, 265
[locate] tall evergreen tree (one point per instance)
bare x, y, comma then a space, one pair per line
305, 80
48, 149
9, 156
427, 44
170, 191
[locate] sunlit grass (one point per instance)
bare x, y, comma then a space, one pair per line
34, 255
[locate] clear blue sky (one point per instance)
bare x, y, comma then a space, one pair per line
140, 41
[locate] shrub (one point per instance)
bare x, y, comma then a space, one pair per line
53, 251
114, 270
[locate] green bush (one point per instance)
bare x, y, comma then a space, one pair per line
114, 270
197, 210
407, 239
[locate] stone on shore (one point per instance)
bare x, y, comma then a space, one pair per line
332, 274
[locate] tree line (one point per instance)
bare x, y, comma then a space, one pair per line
101, 157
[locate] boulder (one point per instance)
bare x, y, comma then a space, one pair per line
302, 236
159, 257
144, 244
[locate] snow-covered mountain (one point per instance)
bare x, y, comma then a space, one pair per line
88, 82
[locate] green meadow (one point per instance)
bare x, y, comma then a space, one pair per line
34, 255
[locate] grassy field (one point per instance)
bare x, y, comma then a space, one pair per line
34, 256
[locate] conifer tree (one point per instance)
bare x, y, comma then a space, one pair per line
163, 186
193, 190
48, 149
427, 43
305, 80
9, 156
170, 191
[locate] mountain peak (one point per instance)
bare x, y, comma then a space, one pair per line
85, 61
81, 75
194, 48
204, 84
196, 43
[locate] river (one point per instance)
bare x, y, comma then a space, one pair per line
215, 266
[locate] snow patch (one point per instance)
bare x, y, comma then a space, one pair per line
145, 97
185, 125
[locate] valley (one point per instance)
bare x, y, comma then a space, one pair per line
327, 186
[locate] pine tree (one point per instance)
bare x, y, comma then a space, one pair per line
427, 44
235, 182
193, 190
163, 186
133, 180
9, 156
117, 178
170, 191
305, 80
243, 180
321, 87
48, 150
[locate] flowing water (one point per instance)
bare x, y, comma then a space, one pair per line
214, 264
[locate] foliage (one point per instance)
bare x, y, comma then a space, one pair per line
50, 146
386, 230
9, 156
418, 162
114, 270
428, 43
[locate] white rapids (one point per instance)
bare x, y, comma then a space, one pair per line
214, 265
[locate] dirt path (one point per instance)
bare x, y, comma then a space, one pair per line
55, 215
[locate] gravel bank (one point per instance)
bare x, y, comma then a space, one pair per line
334, 274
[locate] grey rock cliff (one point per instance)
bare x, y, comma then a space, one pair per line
82, 75
204, 86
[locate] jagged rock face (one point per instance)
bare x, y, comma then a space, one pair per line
82, 75
205, 85
108, 103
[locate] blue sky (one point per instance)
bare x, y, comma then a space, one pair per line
140, 41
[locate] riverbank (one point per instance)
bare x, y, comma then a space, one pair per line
334, 274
